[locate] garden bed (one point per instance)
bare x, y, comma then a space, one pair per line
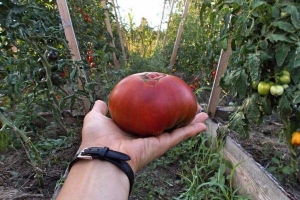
264, 149
251, 155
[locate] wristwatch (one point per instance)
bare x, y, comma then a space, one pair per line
117, 158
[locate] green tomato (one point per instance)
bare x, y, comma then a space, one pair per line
254, 85
276, 90
263, 88
285, 72
285, 79
3, 38
284, 15
285, 86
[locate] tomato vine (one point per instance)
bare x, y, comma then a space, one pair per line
266, 45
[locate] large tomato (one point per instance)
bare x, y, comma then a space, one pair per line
151, 102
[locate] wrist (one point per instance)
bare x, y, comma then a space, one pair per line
116, 158
95, 179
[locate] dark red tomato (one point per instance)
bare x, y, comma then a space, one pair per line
55, 79
192, 87
149, 103
63, 75
92, 64
90, 59
52, 56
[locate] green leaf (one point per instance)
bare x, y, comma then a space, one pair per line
296, 99
241, 83
281, 53
278, 37
236, 82
257, 3
252, 108
287, 170
253, 65
275, 161
294, 15
284, 26
266, 105
238, 124
284, 106
263, 44
224, 43
272, 169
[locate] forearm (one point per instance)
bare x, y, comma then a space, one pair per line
95, 179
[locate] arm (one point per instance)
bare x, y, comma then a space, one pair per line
102, 180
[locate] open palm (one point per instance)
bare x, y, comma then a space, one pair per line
101, 131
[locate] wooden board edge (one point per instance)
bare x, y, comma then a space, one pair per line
249, 177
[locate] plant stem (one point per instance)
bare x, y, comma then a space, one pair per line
35, 160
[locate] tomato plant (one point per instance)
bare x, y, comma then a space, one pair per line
151, 102
266, 51
37, 71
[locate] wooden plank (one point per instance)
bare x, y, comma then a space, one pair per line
249, 176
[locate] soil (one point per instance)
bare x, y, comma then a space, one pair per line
17, 177
266, 142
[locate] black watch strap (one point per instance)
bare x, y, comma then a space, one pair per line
117, 158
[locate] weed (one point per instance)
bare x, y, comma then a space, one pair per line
194, 169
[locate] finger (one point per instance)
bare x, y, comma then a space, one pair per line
101, 107
169, 140
200, 117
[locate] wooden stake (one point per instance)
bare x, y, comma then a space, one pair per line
71, 38
119, 31
108, 27
216, 90
169, 20
160, 25
179, 33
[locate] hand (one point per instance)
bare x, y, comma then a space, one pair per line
101, 131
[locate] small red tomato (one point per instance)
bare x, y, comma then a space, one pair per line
213, 73
192, 87
87, 18
90, 51
92, 64
63, 75
196, 85
196, 79
90, 59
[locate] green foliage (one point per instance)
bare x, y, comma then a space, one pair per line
265, 42
208, 179
200, 42
4, 139
37, 71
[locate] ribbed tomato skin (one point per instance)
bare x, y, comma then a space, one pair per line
151, 102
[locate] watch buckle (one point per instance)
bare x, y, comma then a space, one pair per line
87, 157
